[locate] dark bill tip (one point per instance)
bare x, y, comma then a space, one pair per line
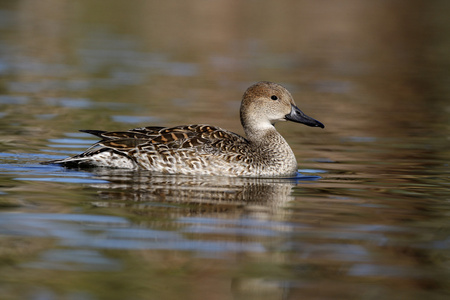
296, 115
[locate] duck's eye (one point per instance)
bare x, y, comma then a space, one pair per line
274, 97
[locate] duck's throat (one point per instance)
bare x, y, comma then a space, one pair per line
272, 147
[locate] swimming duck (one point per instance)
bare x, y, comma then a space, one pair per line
205, 149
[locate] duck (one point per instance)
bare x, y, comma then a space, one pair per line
204, 149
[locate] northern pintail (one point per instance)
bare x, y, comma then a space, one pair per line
205, 149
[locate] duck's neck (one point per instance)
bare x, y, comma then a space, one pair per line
266, 139
269, 145
257, 135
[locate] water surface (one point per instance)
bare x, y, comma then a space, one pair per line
367, 217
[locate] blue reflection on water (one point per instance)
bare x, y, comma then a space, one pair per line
371, 270
84, 236
33, 171
72, 141
69, 102
107, 232
8, 99
74, 260
66, 180
135, 119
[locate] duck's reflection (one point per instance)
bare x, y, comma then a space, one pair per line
211, 193
245, 212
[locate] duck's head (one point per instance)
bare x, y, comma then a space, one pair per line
266, 103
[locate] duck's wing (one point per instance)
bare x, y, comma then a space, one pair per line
173, 137
204, 139
136, 133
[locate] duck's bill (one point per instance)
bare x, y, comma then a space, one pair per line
296, 115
